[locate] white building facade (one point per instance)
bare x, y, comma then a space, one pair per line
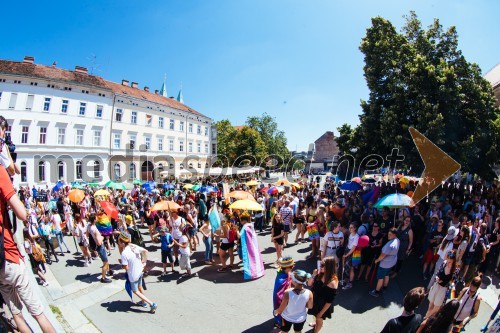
75, 126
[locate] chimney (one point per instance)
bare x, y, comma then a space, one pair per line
81, 70
29, 59
134, 85
146, 89
124, 82
156, 91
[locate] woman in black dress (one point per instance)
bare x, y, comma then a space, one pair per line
369, 253
324, 285
278, 234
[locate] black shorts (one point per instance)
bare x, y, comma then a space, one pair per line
165, 255
226, 246
299, 220
286, 228
279, 241
150, 221
286, 326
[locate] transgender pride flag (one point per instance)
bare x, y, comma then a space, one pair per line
253, 266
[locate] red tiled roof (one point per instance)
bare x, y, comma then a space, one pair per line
238, 127
54, 73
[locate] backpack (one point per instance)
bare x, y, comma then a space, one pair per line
37, 253
136, 236
231, 237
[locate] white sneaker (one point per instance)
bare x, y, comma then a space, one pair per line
45, 284
86, 264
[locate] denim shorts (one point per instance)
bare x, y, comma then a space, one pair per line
382, 272
101, 250
135, 285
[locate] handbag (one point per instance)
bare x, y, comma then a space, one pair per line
37, 253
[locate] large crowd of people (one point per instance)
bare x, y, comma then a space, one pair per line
455, 233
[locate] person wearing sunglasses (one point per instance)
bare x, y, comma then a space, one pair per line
437, 293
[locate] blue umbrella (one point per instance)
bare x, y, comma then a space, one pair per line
350, 186
207, 189
395, 200
148, 187
168, 186
52, 204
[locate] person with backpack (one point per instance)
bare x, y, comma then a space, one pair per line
437, 293
441, 321
167, 242
36, 256
469, 300
135, 235
227, 235
409, 321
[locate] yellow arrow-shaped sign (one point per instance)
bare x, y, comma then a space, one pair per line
438, 165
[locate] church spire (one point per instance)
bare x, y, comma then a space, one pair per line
180, 98
163, 90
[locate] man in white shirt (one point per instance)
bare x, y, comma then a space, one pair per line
333, 241
5, 158
133, 265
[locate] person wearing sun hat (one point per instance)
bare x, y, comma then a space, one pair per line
282, 282
133, 265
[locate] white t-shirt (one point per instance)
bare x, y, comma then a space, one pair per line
4, 158
184, 250
442, 253
333, 240
56, 221
353, 241
176, 227
130, 259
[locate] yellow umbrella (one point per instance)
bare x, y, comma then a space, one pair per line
252, 183
297, 185
76, 195
240, 195
246, 204
188, 186
101, 192
404, 180
282, 182
165, 205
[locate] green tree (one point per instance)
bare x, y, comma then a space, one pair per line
345, 139
420, 78
247, 141
225, 139
274, 139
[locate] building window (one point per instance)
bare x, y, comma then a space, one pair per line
181, 166
97, 169
98, 112
131, 171
149, 120
190, 128
24, 134
41, 171
214, 149
198, 147
24, 172
83, 106
61, 133
131, 141
170, 145
206, 131
118, 115
79, 137
117, 171
198, 129
46, 104
97, 138
60, 170
181, 145
78, 169
206, 148
160, 144
199, 165
117, 141
8, 131
160, 122
64, 106
190, 147
43, 135
172, 124
181, 126
133, 117
13, 100
147, 142
29, 102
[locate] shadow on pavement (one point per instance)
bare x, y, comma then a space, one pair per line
74, 263
267, 326
124, 306
88, 278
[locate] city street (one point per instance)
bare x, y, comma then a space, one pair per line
218, 302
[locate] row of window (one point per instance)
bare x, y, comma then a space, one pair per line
61, 140
61, 170
119, 114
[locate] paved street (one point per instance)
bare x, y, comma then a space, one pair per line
217, 302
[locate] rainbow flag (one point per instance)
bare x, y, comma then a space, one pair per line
281, 284
356, 257
253, 266
313, 232
103, 224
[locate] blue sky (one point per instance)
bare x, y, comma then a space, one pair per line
296, 60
